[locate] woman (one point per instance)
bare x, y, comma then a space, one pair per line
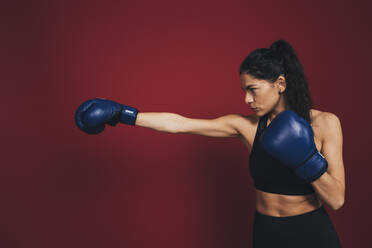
289, 210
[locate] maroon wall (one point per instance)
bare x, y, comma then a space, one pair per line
135, 187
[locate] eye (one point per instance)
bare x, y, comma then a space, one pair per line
252, 89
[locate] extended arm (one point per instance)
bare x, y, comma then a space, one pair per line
224, 126
93, 115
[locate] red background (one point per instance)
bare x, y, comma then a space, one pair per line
135, 187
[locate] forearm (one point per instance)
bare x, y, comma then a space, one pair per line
329, 190
160, 121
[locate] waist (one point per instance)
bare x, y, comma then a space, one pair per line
277, 205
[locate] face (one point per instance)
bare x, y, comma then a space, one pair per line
263, 96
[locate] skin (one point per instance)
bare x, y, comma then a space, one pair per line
268, 98
265, 96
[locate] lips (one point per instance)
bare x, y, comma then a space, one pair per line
255, 109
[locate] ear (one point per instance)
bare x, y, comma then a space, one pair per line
281, 84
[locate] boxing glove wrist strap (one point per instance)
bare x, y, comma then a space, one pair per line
312, 168
128, 115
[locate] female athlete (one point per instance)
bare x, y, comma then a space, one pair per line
295, 151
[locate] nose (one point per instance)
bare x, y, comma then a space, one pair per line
248, 99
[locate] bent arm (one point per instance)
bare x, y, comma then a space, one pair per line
330, 187
223, 126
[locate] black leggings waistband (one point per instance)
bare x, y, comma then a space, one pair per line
311, 229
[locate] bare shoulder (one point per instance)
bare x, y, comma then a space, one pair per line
246, 125
243, 122
324, 121
323, 118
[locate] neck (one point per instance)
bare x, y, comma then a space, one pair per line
280, 107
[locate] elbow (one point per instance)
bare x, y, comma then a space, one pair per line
340, 201
338, 205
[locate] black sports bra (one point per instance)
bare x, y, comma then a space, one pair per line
269, 174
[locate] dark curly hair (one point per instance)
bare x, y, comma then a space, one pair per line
281, 59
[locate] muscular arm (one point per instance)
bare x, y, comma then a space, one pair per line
224, 126
330, 187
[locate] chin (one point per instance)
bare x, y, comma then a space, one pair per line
260, 113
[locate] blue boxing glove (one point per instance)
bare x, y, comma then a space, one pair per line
92, 115
290, 139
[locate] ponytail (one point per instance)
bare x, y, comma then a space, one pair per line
281, 59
